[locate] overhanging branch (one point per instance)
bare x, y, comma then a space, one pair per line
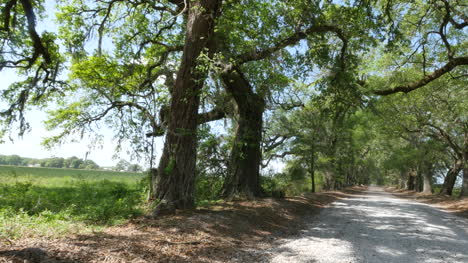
453, 63
213, 115
284, 154
39, 48
291, 40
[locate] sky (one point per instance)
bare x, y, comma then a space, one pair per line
30, 144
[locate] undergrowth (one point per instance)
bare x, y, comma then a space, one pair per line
68, 206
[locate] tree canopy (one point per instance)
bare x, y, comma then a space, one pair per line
239, 85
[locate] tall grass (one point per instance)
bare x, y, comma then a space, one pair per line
47, 201
60, 176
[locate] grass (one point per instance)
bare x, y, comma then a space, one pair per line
53, 202
51, 177
455, 192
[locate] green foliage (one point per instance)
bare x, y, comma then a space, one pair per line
423, 126
283, 185
207, 188
293, 181
40, 199
19, 224
456, 190
33, 57
55, 176
103, 202
270, 185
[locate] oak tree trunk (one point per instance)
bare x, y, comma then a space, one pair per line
174, 181
411, 180
243, 177
419, 180
450, 178
427, 178
329, 178
464, 189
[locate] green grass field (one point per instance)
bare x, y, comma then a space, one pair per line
51, 202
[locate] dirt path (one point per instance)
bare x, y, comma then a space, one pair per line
378, 227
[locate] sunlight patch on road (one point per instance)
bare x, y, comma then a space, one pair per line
305, 249
388, 251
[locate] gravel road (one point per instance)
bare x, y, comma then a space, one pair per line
378, 227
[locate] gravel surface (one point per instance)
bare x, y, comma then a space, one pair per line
378, 227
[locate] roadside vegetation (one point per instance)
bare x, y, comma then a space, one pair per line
54, 202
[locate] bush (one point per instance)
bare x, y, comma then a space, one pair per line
271, 187
207, 188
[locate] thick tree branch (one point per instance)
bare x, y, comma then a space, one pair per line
449, 9
101, 27
447, 138
442, 30
426, 79
291, 40
271, 157
213, 115
273, 143
39, 48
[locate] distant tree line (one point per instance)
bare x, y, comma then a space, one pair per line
124, 165
54, 162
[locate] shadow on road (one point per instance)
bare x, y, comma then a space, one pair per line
380, 228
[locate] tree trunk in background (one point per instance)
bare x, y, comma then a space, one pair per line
450, 178
419, 181
339, 177
329, 182
427, 178
402, 180
464, 189
152, 174
312, 172
243, 178
411, 178
174, 181
402, 184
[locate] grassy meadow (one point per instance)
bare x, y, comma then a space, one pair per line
55, 201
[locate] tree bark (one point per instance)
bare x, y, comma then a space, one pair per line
329, 182
401, 184
450, 178
411, 178
427, 181
312, 172
419, 180
243, 178
174, 181
464, 189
